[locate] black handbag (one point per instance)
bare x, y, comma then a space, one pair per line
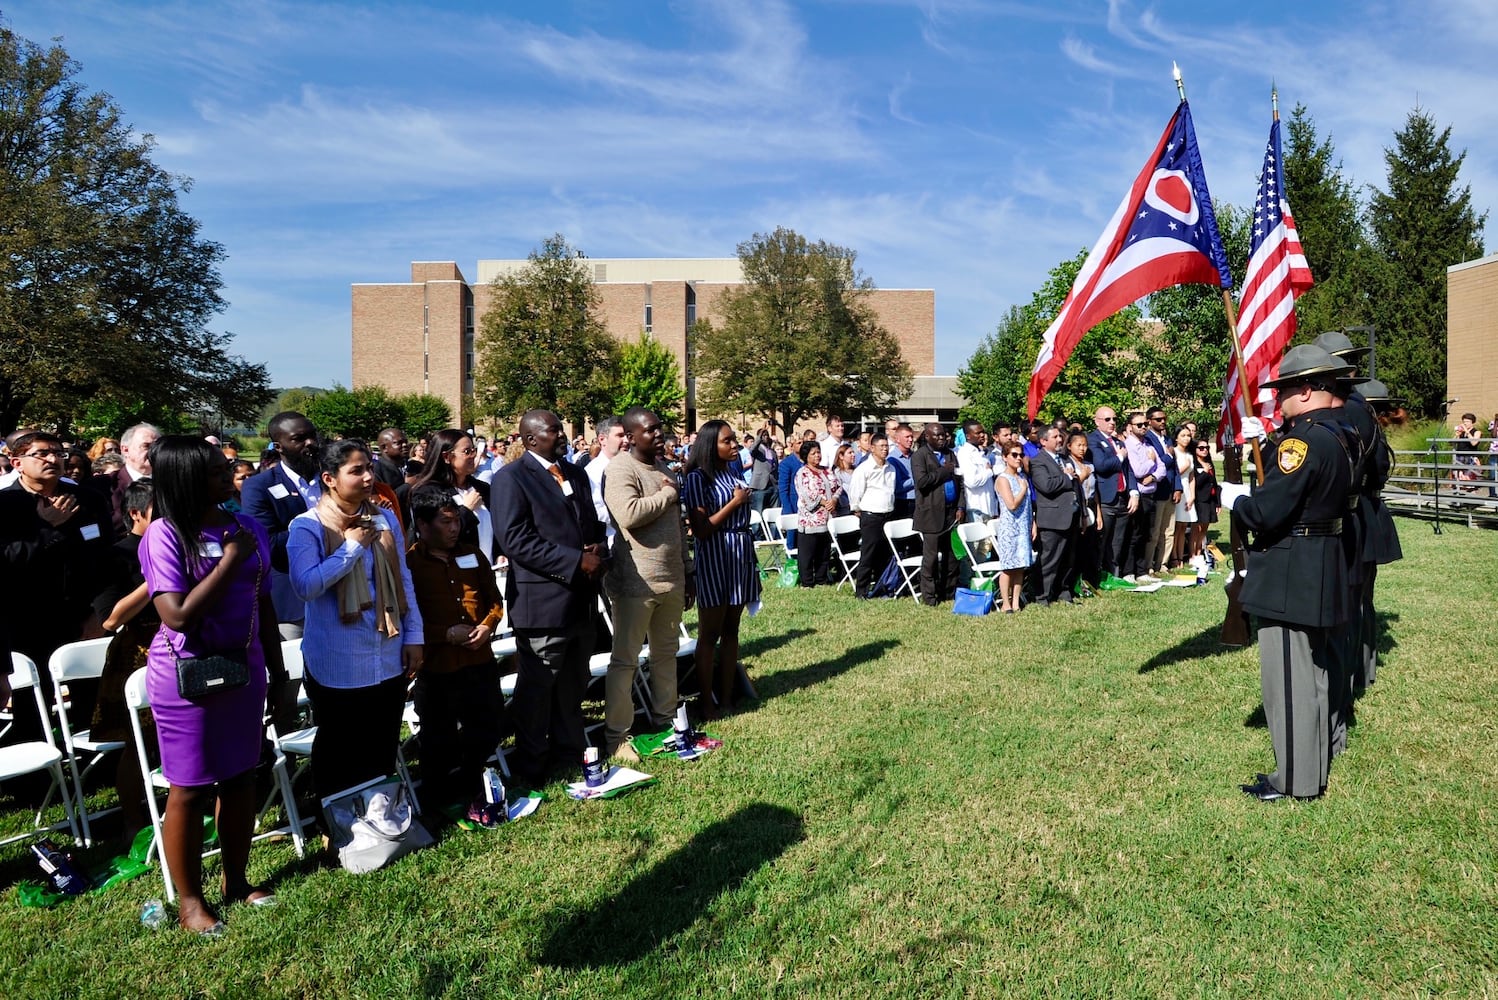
200, 676
204, 675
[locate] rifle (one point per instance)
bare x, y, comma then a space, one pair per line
1235, 623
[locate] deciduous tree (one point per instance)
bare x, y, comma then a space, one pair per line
541, 343
799, 338
106, 284
650, 377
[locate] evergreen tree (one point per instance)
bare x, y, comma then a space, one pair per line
1328, 219
541, 344
650, 377
1421, 225
799, 338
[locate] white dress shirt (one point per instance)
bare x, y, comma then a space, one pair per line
872, 488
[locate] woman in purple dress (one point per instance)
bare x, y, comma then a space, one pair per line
727, 572
208, 573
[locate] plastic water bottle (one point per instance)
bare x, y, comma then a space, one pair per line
153, 914
685, 744
593, 773
494, 791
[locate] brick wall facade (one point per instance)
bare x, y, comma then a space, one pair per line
408, 337
1472, 338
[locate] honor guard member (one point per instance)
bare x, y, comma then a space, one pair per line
1381, 545
1379, 539
1297, 572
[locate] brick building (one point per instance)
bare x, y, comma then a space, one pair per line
1472, 337
418, 335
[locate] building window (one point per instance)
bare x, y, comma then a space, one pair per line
691, 306
648, 317
468, 319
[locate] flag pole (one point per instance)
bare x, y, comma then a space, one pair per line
1232, 317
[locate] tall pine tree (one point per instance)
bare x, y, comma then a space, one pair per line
1327, 216
1420, 226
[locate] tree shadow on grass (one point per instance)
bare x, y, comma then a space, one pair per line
1206, 643
786, 681
646, 914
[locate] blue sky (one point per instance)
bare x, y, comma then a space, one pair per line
965, 146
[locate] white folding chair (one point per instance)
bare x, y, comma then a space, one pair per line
36, 756
896, 532
767, 541
971, 535
78, 661
789, 523
847, 560
136, 699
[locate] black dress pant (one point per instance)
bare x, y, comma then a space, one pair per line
1141, 523
547, 710
873, 551
1055, 562
1113, 542
358, 732
938, 567
813, 556
462, 722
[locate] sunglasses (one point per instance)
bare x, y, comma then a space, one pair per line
1138, 425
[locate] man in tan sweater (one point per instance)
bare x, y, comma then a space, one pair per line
651, 582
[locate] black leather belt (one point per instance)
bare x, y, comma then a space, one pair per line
1307, 529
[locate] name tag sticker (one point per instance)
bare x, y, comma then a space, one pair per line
278, 491
469, 561
213, 550
89, 532
566, 488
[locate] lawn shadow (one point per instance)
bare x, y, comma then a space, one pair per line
1207, 642
663, 902
786, 681
1383, 631
765, 643
1256, 719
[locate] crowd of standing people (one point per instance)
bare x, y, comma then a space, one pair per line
385, 562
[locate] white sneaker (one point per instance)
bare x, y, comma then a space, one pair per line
1129, 579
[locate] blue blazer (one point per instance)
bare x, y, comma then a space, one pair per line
1165, 456
275, 513
542, 532
789, 466
1107, 465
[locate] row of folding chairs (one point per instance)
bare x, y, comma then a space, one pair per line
775, 527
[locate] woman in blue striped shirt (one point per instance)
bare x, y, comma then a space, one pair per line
717, 502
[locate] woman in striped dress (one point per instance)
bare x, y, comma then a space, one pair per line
717, 502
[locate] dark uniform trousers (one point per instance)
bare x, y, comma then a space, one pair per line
1297, 673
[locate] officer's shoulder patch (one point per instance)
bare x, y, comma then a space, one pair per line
1291, 454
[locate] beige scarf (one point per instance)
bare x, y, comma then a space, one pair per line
354, 593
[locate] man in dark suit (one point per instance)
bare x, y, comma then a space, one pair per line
393, 451
1117, 494
545, 524
938, 509
275, 495
135, 448
1057, 505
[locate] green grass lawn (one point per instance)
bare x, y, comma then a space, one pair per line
1036, 805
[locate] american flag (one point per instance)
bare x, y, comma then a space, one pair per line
1277, 273
1164, 233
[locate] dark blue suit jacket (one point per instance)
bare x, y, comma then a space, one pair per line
789, 466
1165, 456
542, 532
275, 513
1107, 465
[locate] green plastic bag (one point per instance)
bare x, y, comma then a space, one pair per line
790, 576
1111, 582
986, 585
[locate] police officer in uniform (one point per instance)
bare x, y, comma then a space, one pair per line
1297, 572
1380, 540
